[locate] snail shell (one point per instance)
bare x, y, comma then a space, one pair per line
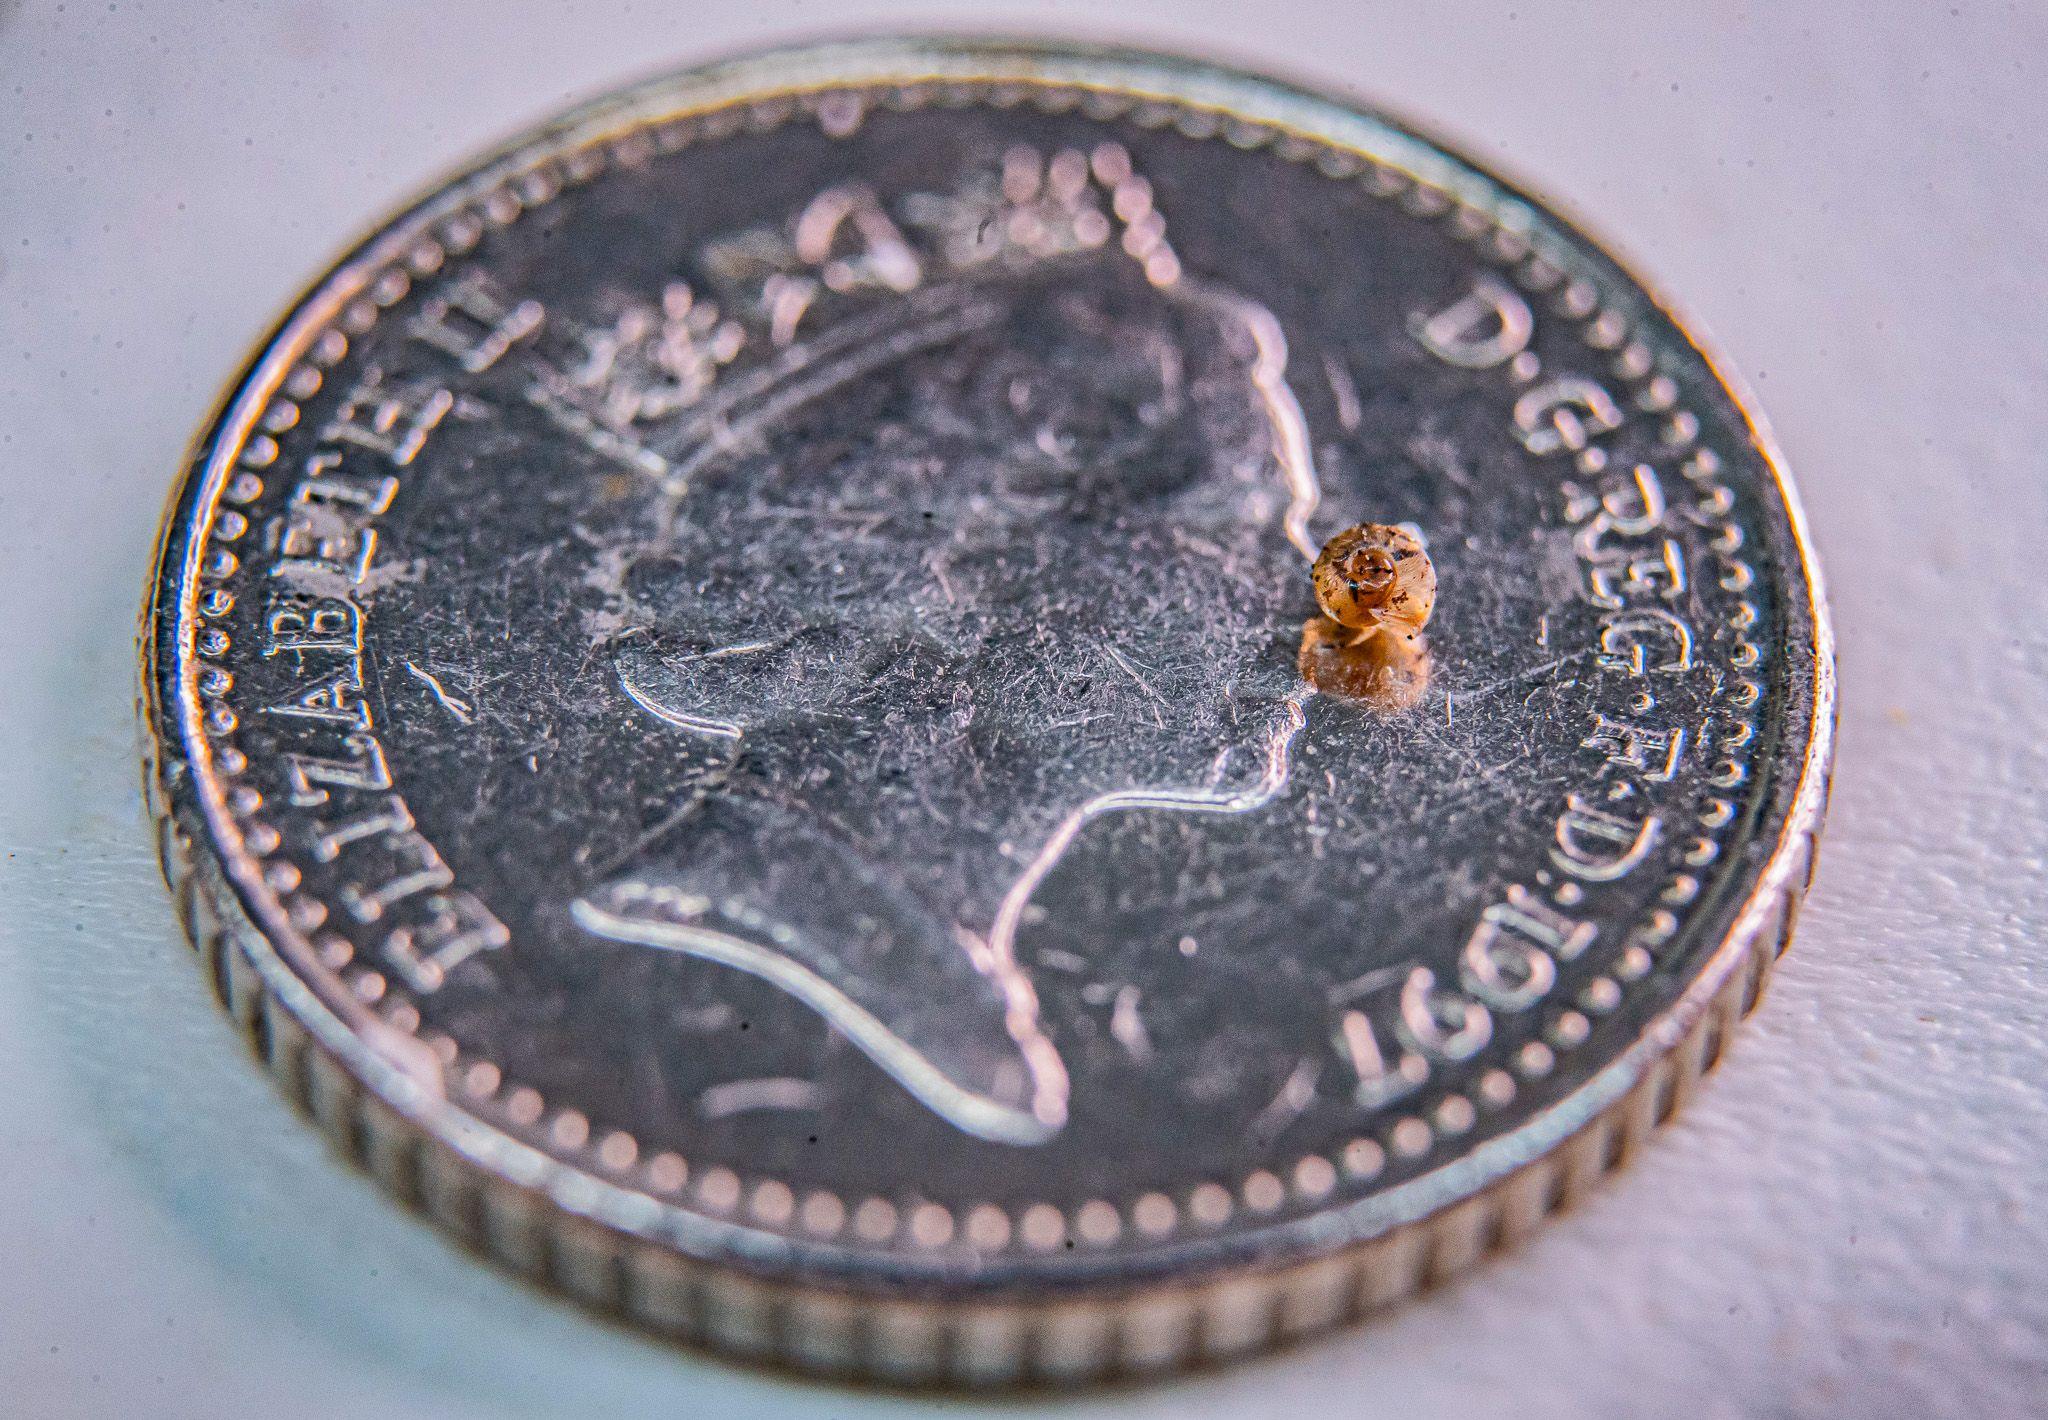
1375, 577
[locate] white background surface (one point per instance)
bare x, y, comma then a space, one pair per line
1851, 1218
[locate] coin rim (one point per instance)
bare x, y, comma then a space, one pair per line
593, 1238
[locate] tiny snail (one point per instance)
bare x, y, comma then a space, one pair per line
1375, 577
1371, 578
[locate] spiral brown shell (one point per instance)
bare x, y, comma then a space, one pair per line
1375, 577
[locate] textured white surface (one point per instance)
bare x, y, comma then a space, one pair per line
1851, 1218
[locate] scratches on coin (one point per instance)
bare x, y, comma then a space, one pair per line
1345, 392
1295, 1095
1128, 1026
777, 1092
462, 710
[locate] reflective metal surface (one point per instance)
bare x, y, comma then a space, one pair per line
729, 697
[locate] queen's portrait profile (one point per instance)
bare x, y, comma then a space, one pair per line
997, 527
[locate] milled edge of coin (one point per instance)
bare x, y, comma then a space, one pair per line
596, 1241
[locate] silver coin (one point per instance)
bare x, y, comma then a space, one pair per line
727, 699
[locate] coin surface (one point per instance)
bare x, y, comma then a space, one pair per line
726, 706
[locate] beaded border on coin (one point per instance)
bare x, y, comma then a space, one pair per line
555, 1225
